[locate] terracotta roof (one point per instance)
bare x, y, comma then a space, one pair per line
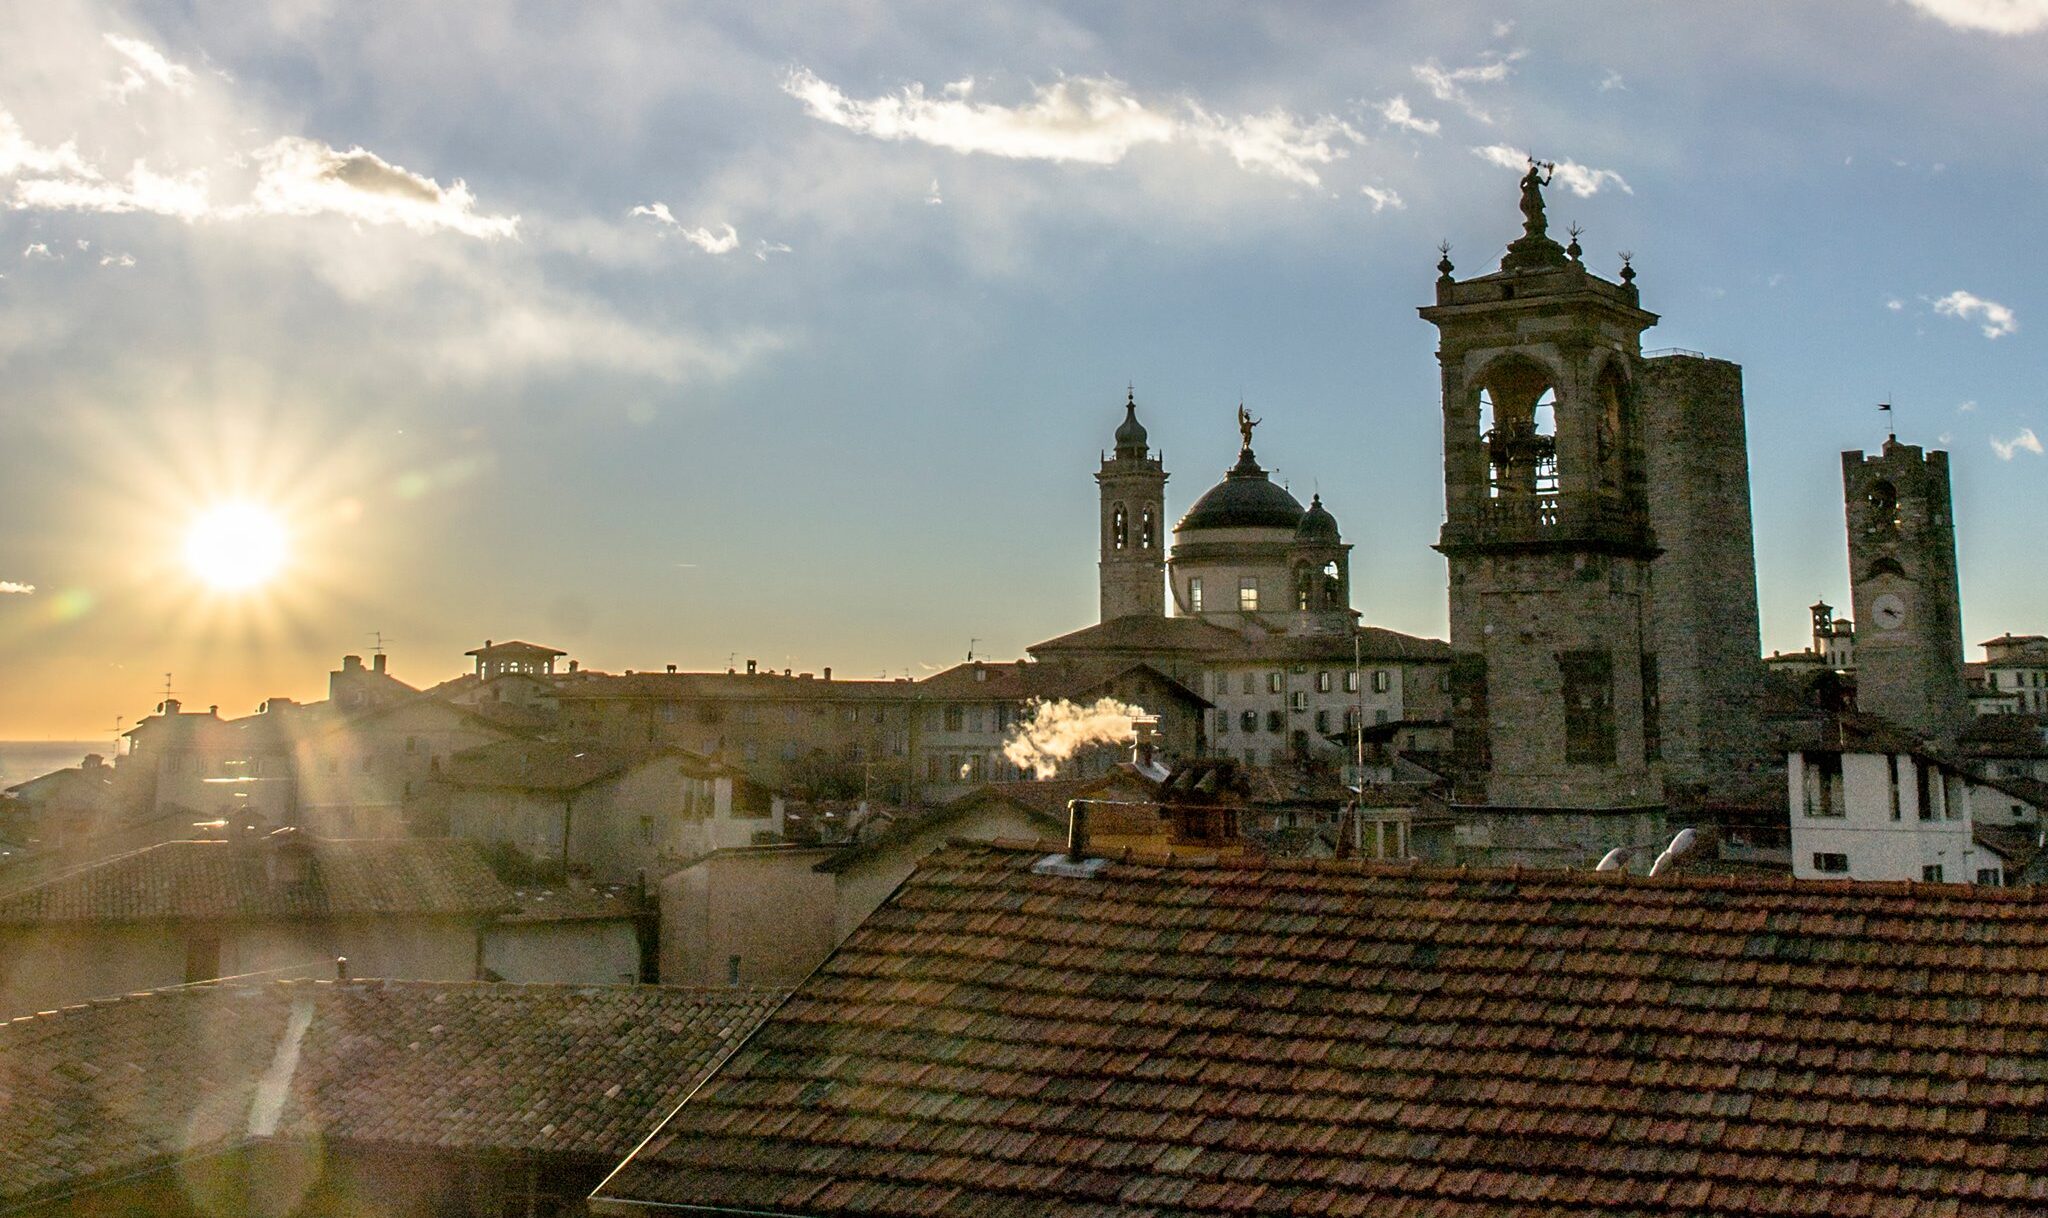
576, 902
512, 647
1061, 678
546, 765
1386, 1040
113, 1087
215, 881
1143, 633
723, 686
1044, 802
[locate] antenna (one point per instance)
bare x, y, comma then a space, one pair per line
1891, 426
970, 646
377, 636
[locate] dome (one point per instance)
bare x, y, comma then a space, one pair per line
1130, 434
1245, 499
1317, 524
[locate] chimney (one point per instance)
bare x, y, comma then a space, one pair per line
170, 706
572, 667
828, 672
750, 668
351, 663
1144, 741
1077, 829
377, 663
341, 968
671, 668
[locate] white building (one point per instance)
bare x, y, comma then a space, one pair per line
1868, 802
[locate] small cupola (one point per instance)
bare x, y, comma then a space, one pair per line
1131, 440
1317, 525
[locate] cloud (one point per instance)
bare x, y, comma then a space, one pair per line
934, 197
1895, 304
1579, 179
302, 177
1382, 198
118, 260
703, 238
18, 156
1613, 83
10, 588
180, 196
1084, 119
2025, 441
37, 249
1396, 113
2007, 17
1448, 84
1966, 407
764, 248
146, 66
1999, 321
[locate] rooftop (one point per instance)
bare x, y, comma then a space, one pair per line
102, 1090
219, 881
1393, 1040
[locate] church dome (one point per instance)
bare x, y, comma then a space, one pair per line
1317, 525
1245, 499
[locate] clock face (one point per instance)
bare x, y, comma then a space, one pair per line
1888, 611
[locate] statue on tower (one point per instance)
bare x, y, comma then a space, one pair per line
1245, 423
1533, 182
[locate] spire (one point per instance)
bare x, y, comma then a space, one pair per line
1534, 249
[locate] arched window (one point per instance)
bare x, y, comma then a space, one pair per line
1119, 528
1304, 586
1883, 499
1148, 529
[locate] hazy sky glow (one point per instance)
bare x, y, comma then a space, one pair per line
668, 334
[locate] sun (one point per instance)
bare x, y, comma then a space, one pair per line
234, 547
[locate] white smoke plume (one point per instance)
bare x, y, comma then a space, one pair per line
1056, 730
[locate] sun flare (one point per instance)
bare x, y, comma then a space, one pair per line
233, 547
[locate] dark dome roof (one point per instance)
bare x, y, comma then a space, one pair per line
1130, 434
1245, 499
1317, 524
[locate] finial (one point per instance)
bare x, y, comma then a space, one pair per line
1628, 273
1131, 396
1443, 266
1573, 249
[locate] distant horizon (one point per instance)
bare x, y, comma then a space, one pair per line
726, 330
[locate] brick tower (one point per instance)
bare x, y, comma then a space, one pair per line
1133, 482
1548, 537
1902, 582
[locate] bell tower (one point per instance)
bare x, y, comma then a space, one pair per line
1133, 484
1903, 586
1547, 532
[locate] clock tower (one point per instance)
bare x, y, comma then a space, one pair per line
1902, 582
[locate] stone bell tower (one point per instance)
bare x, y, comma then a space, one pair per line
1902, 582
1133, 482
1547, 532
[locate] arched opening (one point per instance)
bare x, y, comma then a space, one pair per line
1119, 527
1304, 586
1518, 429
1885, 566
1332, 581
1148, 529
1883, 500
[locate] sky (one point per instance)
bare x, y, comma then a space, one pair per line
688, 334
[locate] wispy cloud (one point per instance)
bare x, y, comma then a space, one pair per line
37, 249
1084, 119
764, 248
303, 177
1895, 305
1382, 198
117, 260
2026, 441
1613, 83
1396, 112
1990, 16
146, 66
1581, 180
702, 237
1448, 84
1998, 321
9, 587
1966, 407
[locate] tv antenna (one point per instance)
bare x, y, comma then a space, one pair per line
380, 642
970, 646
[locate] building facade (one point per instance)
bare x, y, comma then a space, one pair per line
1903, 586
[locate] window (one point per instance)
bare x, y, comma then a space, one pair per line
1195, 594
1322, 723
1351, 682
732, 970
1250, 720
1990, 877
1299, 700
1119, 528
646, 830
1931, 874
1588, 688
1891, 766
1248, 593
1222, 723
955, 717
1831, 864
1824, 785
1247, 682
1381, 680
1322, 682
1275, 682
1275, 721
1148, 528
